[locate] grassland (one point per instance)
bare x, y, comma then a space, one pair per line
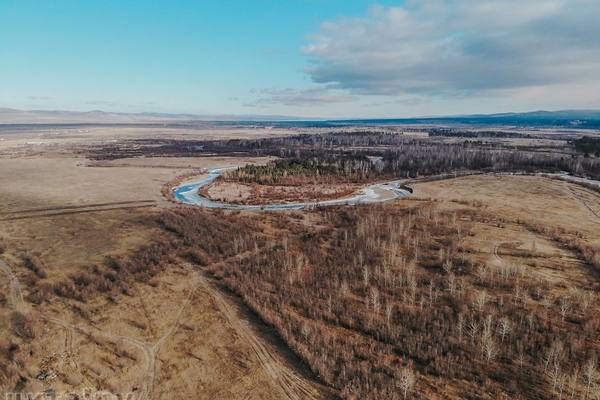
478, 287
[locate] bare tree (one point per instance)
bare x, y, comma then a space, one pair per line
553, 355
589, 375
460, 327
530, 320
366, 275
489, 348
573, 382
560, 385
389, 310
504, 328
481, 300
412, 287
451, 283
472, 329
585, 300
448, 267
546, 303
374, 299
406, 381
565, 305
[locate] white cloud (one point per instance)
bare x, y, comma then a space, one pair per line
462, 47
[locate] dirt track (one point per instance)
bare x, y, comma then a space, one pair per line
291, 384
82, 209
577, 196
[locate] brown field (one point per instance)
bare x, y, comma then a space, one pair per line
107, 285
240, 193
172, 336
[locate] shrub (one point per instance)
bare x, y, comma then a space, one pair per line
22, 326
35, 265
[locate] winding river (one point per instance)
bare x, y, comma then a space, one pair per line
188, 193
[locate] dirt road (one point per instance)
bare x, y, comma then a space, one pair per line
292, 385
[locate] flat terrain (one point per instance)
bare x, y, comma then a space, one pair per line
174, 337
240, 193
182, 310
543, 200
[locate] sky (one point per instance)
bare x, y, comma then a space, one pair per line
305, 58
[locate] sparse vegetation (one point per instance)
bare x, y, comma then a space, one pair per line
35, 265
440, 296
22, 325
386, 290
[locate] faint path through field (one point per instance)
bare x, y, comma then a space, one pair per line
79, 209
496, 255
577, 196
292, 385
149, 351
15, 293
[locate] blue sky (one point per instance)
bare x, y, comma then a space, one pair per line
314, 58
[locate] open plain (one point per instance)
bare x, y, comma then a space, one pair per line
109, 284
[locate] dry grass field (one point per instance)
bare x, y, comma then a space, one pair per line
240, 193
455, 294
172, 336
475, 287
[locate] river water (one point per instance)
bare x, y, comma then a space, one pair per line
377, 193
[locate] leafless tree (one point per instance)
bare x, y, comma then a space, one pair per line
406, 381
504, 328
389, 310
530, 320
374, 299
553, 355
460, 326
560, 385
366, 275
585, 300
472, 329
489, 348
451, 283
448, 267
481, 300
565, 305
412, 287
589, 375
546, 303
574, 379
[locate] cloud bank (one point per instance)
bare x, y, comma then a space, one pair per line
298, 97
462, 47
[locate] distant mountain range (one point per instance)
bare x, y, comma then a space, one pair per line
586, 119
12, 116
